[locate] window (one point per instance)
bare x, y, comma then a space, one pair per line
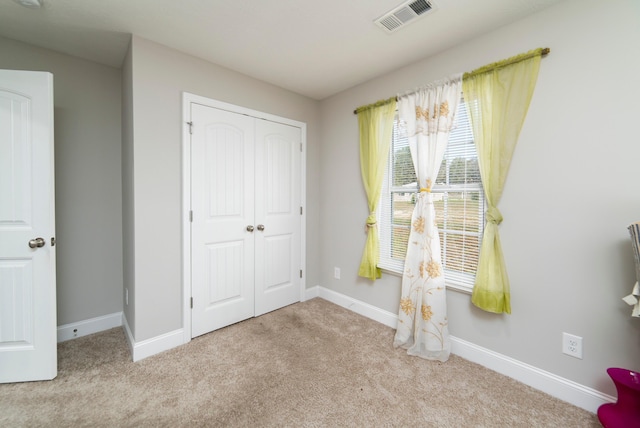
458, 199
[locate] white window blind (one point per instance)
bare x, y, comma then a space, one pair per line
458, 199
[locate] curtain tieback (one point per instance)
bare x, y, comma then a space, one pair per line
494, 216
371, 222
427, 189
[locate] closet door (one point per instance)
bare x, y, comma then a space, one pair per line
222, 236
277, 197
246, 226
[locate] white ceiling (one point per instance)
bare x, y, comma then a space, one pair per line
314, 48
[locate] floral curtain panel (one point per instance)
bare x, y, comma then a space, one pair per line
375, 123
427, 117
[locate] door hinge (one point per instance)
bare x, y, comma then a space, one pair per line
300, 210
300, 146
190, 127
192, 303
300, 273
191, 216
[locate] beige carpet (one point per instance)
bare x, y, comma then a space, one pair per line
312, 364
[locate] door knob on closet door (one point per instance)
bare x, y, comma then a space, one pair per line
261, 227
36, 243
250, 228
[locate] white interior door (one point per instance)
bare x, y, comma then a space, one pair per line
277, 194
27, 227
222, 160
246, 227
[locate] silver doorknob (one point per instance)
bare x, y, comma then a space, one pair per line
261, 227
250, 228
36, 243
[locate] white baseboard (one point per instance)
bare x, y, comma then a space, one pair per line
164, 342
556, 386
311, 293
127, 332
90, 326
559, 387
383, 317
153, 346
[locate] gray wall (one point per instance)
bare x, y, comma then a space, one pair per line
159, 76
88, 184
571, 192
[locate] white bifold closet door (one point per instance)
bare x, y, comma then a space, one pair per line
246, 226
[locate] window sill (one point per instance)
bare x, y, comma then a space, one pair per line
450, 285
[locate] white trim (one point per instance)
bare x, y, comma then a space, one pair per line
311, 293
449, 284
186, 221
157, 344
556, 386
152, 346
303, 203
90, 326
384, 317
559, 387
129, 336
187, 100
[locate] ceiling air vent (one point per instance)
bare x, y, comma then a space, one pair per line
403, 14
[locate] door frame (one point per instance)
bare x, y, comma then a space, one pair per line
187, 100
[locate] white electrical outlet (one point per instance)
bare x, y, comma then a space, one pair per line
336, 272
572, 345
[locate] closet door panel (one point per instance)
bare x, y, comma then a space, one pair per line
222, 155
278, 196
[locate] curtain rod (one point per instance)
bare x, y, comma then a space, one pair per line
544, 52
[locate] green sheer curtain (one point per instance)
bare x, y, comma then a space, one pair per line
375, 122
497, 98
